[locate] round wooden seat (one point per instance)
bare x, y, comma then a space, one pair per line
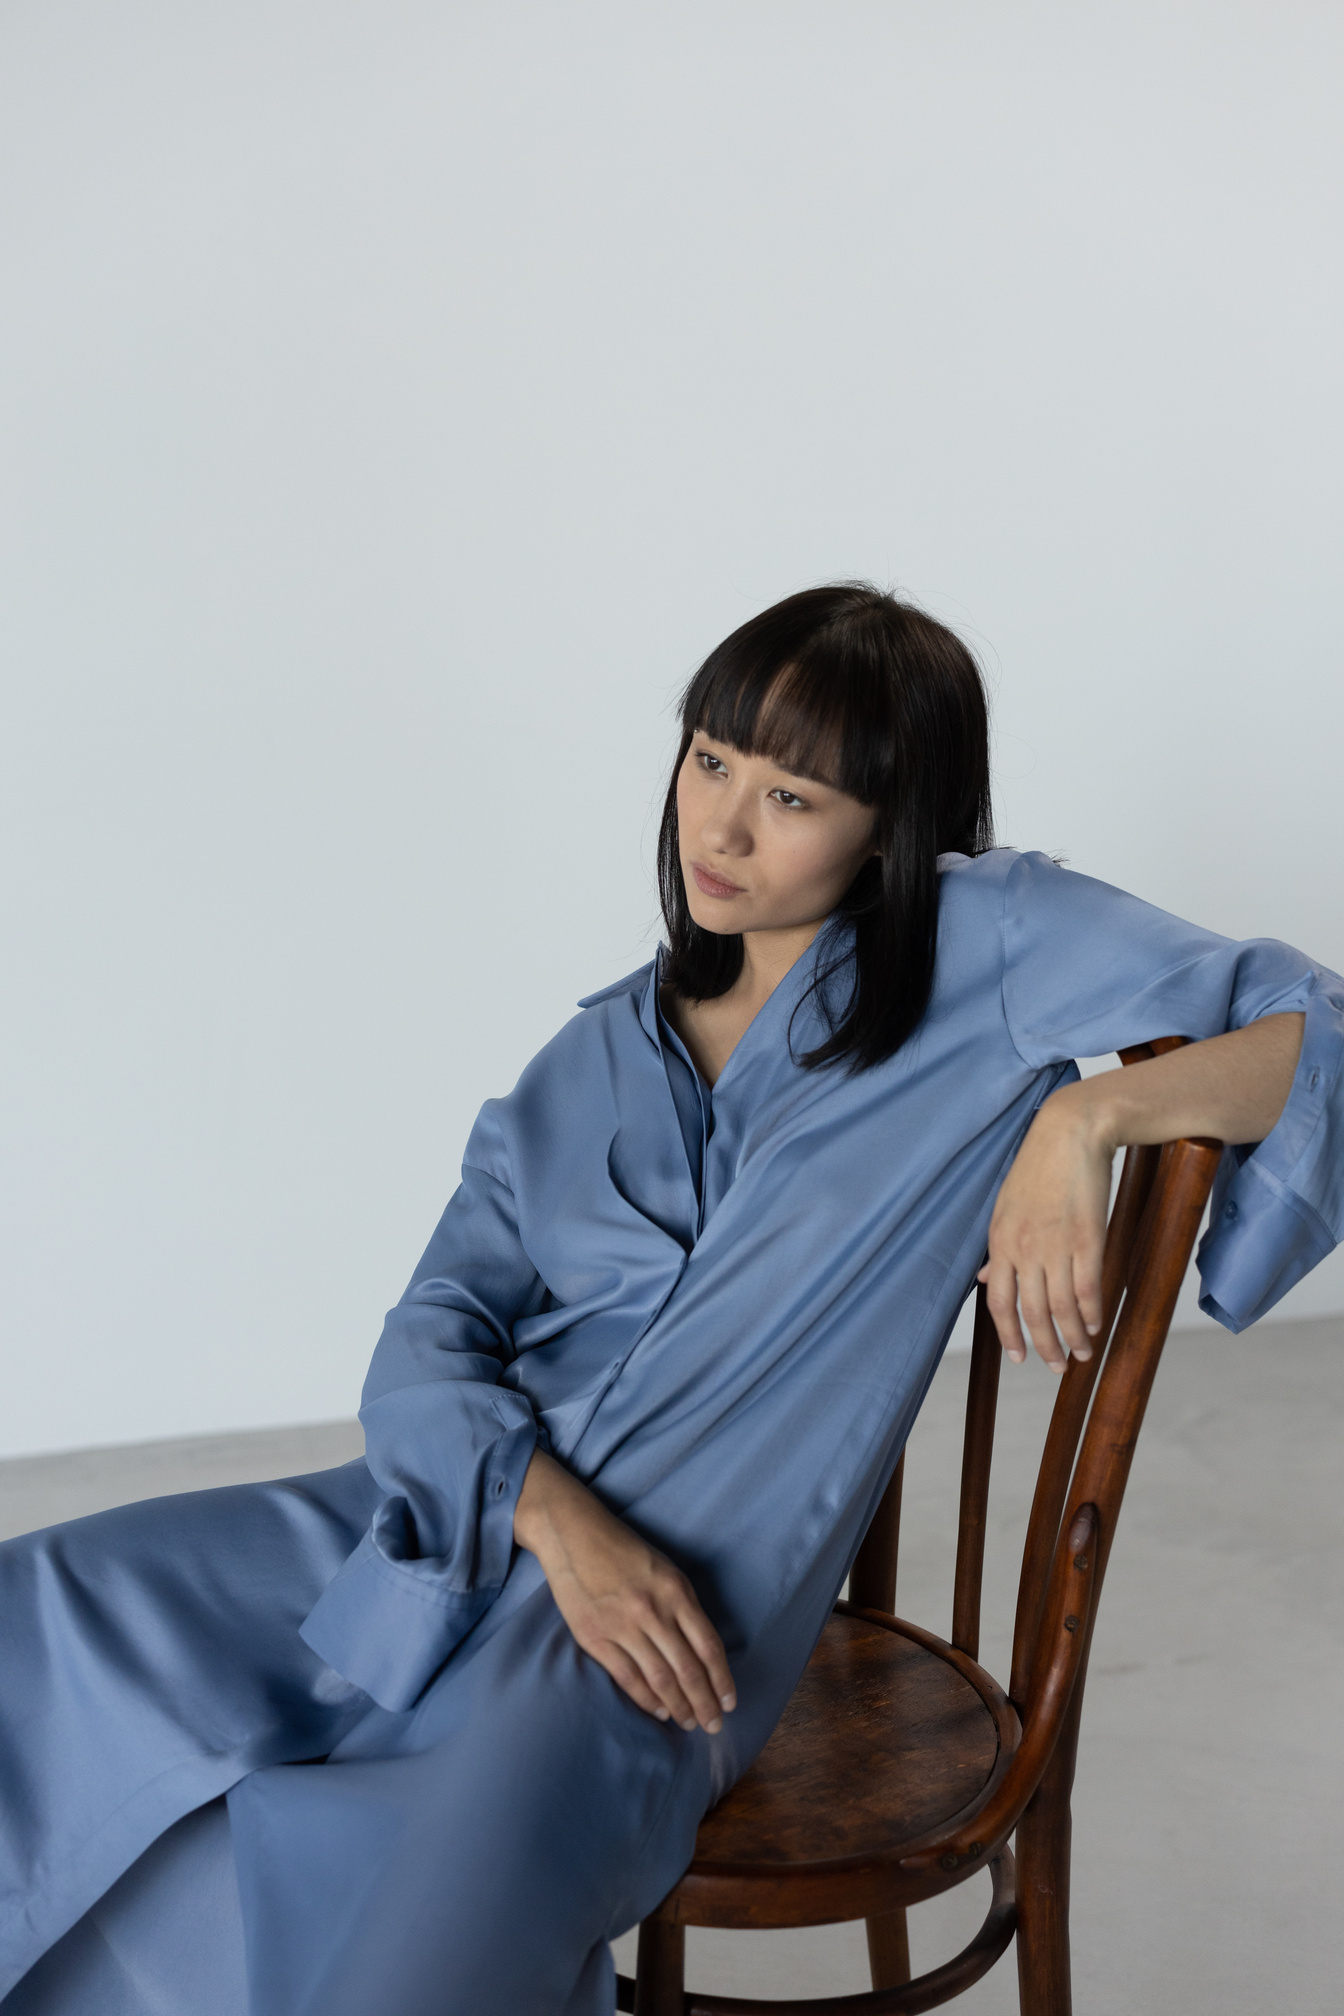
890, 1734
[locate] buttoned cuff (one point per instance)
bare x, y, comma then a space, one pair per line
390, 1616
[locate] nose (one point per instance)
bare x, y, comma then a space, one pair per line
727, 829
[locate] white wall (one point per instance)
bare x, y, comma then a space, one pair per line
399, 399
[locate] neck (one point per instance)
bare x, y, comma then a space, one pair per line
768, 955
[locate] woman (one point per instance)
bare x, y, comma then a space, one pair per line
628, 1422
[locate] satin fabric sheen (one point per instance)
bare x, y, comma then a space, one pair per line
166, 1940
722, 1311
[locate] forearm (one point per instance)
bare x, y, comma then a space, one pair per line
1229, 1088
549, 1493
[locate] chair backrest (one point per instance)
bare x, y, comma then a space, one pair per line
1089, 1445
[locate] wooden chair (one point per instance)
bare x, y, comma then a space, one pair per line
900, 1766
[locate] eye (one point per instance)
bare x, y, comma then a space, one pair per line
712, 764
790, 799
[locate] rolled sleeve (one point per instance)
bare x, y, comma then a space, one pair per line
1278, 1208
449, 1445
392, 1614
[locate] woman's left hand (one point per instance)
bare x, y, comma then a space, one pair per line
1048, 1233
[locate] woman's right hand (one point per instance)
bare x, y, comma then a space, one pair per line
627, 1605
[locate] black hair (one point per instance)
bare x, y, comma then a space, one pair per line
869, 694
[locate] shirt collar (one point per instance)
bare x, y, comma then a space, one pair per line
835, 933
648, 1000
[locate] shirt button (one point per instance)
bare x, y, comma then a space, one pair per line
1229, 1212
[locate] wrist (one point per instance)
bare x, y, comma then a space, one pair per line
1089, 1112
534, 1512
548, 1504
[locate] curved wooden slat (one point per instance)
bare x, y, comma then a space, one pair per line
982, 1398
1069, 1414
1064, 1635
1168, 1232
911, 1998
872, 1579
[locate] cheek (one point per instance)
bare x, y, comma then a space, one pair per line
690, 813
809, 853
820, 860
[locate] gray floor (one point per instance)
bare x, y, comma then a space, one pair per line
1209, 1837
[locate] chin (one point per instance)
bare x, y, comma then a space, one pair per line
715, 921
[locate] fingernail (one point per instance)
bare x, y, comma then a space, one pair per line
1092, 1329
715, 1726
661, 1713
688, 1726
728, 1701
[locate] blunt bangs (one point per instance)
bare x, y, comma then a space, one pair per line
802, 716
868, 694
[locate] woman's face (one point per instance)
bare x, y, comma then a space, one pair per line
761, 848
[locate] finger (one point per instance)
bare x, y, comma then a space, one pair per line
691, 1675
1087, 1286
1000, 1277
708, 1647
1064, 1311
661, 1676
623, 1670
1035, 1297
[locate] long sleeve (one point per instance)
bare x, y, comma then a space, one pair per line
1088, 970
447, 1443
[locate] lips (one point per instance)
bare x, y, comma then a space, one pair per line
713, 885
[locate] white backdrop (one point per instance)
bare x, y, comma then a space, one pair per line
399, 399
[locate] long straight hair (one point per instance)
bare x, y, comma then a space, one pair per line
867, 693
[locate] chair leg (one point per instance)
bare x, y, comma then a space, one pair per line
889, 1950
660, 1969
1044, 1834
